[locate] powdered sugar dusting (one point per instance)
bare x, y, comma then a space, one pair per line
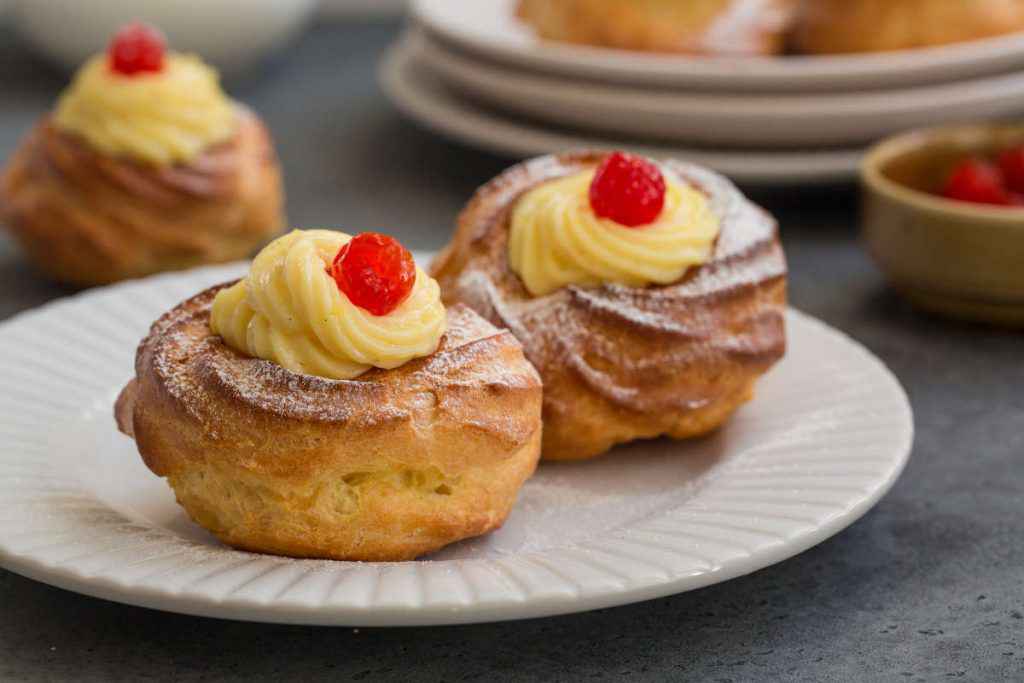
205, 378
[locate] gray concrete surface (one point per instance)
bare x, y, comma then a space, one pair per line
928, 586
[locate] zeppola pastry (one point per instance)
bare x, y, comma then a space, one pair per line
838, 26
649, 297
711, 27
145, 165
327, 405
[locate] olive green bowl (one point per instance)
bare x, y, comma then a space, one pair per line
955, 258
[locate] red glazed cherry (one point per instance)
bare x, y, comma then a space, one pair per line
1011, 163
137, 48
628, 190
978, 181
375, 272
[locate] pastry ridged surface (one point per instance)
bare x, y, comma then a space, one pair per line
620, 363
713, 27
839, 26
392, 465
88, 218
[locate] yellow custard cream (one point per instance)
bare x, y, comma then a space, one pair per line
163, 118
289, 310
556, 239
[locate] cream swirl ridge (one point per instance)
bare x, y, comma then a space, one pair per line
289, 310
160, 118
556, 239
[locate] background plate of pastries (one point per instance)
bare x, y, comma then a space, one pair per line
772, 80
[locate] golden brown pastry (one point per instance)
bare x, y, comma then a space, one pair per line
840, 26
87, 218
709, 27
135, 173
621, 359
388, 465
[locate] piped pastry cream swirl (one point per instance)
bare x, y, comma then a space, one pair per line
162, 118
289, 310
556, 239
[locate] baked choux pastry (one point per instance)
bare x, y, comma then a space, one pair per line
707, 27
327, 405
838, 26
650, 297
145, 165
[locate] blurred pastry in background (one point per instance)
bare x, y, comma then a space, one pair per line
650, 297
145, 165
841, 26
709, 27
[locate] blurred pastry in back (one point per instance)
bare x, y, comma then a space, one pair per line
843, 26
144, 165
707, 27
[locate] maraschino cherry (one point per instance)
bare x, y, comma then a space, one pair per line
137, 48
628, 190
1011, 164
375, 272
978, 181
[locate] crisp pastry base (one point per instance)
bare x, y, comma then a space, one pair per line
711, 27
841, 26
622, 363
86, 218
390, 466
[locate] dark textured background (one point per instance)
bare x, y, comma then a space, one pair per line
928, 585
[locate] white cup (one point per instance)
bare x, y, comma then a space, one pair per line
230, 34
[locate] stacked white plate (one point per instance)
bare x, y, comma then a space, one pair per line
470, 70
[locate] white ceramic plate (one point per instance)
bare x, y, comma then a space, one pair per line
827, 436
732, 120
422, 96
490, 29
